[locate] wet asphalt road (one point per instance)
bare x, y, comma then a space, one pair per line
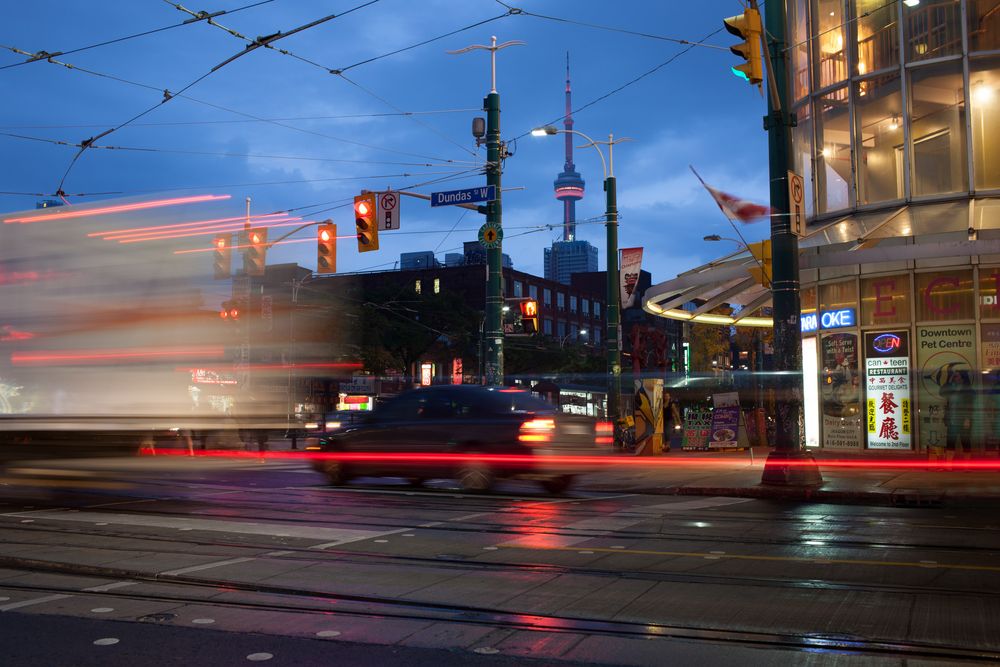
239, 561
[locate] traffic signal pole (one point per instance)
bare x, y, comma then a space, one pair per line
788, 464
493, 326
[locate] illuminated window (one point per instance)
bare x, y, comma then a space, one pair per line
799, 47
984, 98
877, 34
437, 285
932, 29
938, 129
416, 286
984, 24
518, 288
833, 152
828, 26
878, 108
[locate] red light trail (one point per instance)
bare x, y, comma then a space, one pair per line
139, 231
215, 229
55, 357
595, 461
120, 208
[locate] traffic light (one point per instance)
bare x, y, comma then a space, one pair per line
230, 311
326, 248
747, 26
222, 252
255, 256
761, 271
529, 316
364, 221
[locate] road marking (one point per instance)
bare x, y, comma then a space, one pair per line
205, 566
124, 502
109, 587
28, 603
332, 535
785, 559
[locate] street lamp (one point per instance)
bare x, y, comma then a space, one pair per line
716, 237
613, 335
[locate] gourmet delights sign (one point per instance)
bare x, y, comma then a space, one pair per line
887, 390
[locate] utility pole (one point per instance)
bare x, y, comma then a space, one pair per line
789, 463
495, 154
613, 331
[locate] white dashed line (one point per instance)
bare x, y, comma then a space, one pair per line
109, 587
206, 566
28, 603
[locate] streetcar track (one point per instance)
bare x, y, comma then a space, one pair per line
382, 607
355, 557
509, 528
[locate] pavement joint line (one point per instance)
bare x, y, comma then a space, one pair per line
785, 559
109, 587
337, 543
205, 566
28, 603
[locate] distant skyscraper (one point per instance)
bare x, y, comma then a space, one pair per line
569, 256
569, 185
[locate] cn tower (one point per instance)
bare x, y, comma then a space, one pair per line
568, 185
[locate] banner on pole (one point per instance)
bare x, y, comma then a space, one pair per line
631, 263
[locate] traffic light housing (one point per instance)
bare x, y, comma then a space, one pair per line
231, 310
761, 271
747, 26
255, 257
529, 316
326, 248
222, 256
365, 223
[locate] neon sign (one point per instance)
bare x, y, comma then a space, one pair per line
887, 343
828, 319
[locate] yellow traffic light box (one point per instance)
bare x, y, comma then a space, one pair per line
761, 270
326, 248
747, 26
365, 223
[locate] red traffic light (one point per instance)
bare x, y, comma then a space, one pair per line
362, 208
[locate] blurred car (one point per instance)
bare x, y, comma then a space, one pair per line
445, 431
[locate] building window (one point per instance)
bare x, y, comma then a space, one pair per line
597, 310
547, 296
831, 60
885, 300
533, 292
547, 327
877, 36
518, 288
802, 153
585, 306
574, 331
560, 301
561, 328
833, 151
879, 137
416, 286
984, 24
797, 14
945, 295
933, 28
938, 129
597, 336
437, 285
572, 303
984, 98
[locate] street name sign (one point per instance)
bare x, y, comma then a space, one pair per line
468, 196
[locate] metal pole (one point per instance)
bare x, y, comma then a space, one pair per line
789, 463
612, 332
494, 256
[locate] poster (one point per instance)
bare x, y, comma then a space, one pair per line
991, 347
697, 427
725, 429
840, 392
810, 392
941, 350
887, 390
631, 263
649, 416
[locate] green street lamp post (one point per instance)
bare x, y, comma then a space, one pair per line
613, 335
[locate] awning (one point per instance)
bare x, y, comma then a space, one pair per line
965, 228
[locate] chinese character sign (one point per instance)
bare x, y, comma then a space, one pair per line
887, 389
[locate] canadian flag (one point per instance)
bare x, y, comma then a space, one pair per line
733, 207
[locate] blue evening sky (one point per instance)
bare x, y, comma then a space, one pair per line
331, 137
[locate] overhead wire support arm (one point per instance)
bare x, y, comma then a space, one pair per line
418, 195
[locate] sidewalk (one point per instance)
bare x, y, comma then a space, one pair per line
887, 478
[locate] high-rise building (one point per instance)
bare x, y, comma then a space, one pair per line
570, 255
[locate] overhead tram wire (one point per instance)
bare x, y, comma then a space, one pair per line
340, 71
144, 149
352, 116
202, 16
624, 85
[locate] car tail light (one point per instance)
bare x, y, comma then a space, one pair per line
536, 430
605, 433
